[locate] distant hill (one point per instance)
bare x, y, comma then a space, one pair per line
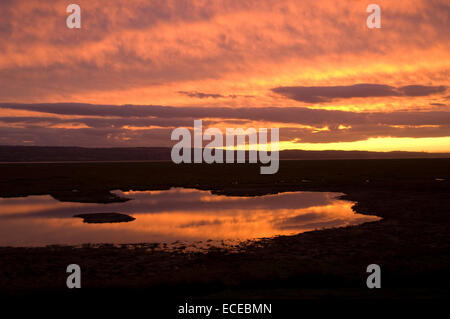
57, 154
318, 155
79, 154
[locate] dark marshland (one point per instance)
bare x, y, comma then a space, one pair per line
408, 235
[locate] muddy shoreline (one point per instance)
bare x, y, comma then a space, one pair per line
411, 243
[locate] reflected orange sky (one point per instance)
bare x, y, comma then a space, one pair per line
185, 215
227, 54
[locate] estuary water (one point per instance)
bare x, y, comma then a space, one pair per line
175, 215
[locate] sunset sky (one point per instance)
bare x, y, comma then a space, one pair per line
137, 69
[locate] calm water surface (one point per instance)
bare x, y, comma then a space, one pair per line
177, 214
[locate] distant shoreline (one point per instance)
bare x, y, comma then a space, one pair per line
63, 154
168, 161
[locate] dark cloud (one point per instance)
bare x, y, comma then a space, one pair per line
421, 90
323, 94
320, 94
201, 95
361, 132
101, 121
297, 115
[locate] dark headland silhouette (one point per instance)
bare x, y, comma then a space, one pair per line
63, 153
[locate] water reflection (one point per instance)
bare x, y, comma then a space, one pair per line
171, 215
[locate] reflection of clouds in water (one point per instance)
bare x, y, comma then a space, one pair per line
337, 215
202, 223
304, 218
174, 200
194, 200
176, 214
32, 204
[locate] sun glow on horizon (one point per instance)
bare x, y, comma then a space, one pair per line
379, 144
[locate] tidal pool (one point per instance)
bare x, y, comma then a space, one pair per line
178, 214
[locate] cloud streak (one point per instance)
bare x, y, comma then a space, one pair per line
150, 125
321, 94
297, 115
